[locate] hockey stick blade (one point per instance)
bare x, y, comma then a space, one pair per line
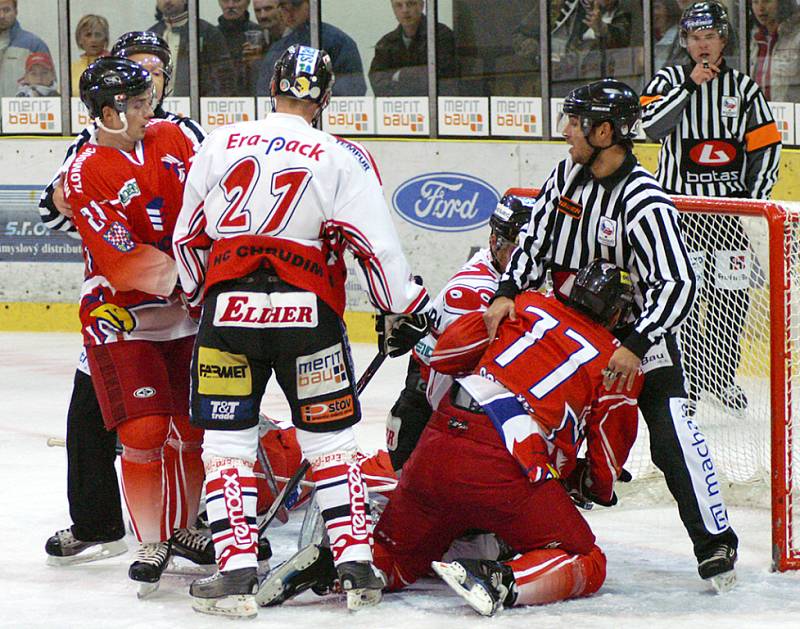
290, 486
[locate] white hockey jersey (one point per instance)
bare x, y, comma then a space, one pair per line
281, 190
469, 290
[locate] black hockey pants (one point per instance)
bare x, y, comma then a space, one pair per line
92, 488
679, 450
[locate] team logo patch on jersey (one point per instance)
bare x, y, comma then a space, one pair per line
321, 373
569, 207
223, 373
607, 231
174, 165
119, 237
730, 106
261, 310
129, 190
328, 411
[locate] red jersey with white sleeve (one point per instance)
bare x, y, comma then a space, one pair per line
469, 290
279, 193
126, 205
549, 365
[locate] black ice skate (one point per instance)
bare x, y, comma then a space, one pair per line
230, 593
192, 544
718, 568
151, 561
311, 567
362, 582
485, 585
64, 549
732, 399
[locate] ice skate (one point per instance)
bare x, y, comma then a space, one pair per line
732, 399
485, 585
229, 594
718, 568
362, 582
312, 567
192, 544
64, 549
151, 561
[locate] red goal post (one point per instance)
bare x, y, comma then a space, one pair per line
755, 445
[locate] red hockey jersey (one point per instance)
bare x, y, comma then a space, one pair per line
125, 207
551, 361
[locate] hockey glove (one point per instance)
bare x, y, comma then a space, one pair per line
579, 486
399, 333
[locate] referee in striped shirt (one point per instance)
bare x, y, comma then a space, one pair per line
600, 203
719, 139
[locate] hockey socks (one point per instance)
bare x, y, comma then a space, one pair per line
161, 474
550, 575
231, 497
344, 503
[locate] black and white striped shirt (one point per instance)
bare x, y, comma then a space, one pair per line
625, 218
54, 219
718, 139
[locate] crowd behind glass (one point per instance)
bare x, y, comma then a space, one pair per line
483, 48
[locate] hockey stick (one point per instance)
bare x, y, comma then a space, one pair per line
294, 481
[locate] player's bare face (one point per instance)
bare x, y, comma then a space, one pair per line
705, 45
138, 114
579, 150
155, 67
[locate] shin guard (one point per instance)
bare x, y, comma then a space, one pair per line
550, 575
344, 503
231, 497
143, 478
183, 473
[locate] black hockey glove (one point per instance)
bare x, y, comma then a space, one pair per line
578, 486
399, 333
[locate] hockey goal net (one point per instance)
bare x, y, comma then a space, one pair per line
742, 359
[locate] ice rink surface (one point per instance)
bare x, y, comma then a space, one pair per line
652, 579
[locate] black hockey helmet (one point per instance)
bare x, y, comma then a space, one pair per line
145, 42
304, 73
607, 100
110, 81
601, 290
509, 217
704, 15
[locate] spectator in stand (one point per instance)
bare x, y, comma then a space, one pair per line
270, 19
770, 24
785, 70
400, 65
216, 71
91, 35
16, 44
340, 46
40, 76
234, 24
667, 49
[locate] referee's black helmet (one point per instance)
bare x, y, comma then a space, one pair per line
607, 100
704, 15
